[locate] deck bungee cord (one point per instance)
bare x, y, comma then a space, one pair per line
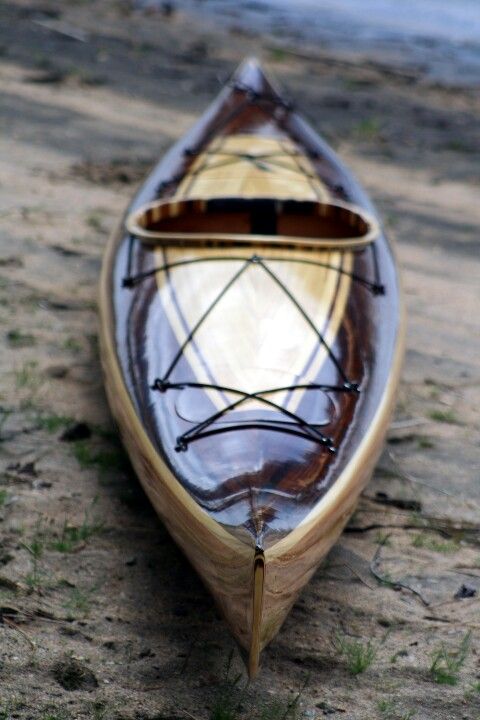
265, 162
310, 431
307, 430
130, 281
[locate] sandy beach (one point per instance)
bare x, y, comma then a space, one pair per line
100, 615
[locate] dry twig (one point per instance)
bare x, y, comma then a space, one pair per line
394, 584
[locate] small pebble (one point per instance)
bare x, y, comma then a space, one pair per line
465, 591
57, 372
79, 431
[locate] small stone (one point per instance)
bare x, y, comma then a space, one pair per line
11, 261
384, 622
73, 675
145, 653
326, 708
79, 431
69, 631
26, 469
465, 591
57, 372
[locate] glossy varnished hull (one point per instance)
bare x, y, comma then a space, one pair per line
252, 384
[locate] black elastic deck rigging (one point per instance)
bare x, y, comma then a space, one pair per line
131, 281
301, 427
294, 424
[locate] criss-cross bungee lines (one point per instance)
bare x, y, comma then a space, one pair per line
264, 161
293, 424
131, 281
252, 97
302, 428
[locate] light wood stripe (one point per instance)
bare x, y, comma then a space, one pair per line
242, 358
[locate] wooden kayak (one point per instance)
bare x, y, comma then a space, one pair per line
251, 340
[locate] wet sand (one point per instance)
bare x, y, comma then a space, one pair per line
100, 615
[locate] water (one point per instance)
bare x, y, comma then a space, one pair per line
457, 21
441, 38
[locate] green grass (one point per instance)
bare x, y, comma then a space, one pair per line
386, 707
3, 497
473, 689
56, 715
274, 710
85, 77
35, 548
391, 220
422, 540
399, 653
229, 697
352, 84
18, 339
458, 146
80, 602
6, 712
388, 710
279, 710
105, 460
382, 538
444, 416
446, 664
368, 129
94, 221
70, 539
386, 579
4, 415
358, 655
425, 443
73, 536
99, 709
232, 701
13, 709
224, 709
71, 344
41, 61
26, 377
277, 54
52, 423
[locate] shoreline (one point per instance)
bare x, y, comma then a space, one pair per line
342, 31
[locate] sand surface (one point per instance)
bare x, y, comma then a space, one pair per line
100, 615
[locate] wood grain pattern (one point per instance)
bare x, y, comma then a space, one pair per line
264, 359
252, 385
